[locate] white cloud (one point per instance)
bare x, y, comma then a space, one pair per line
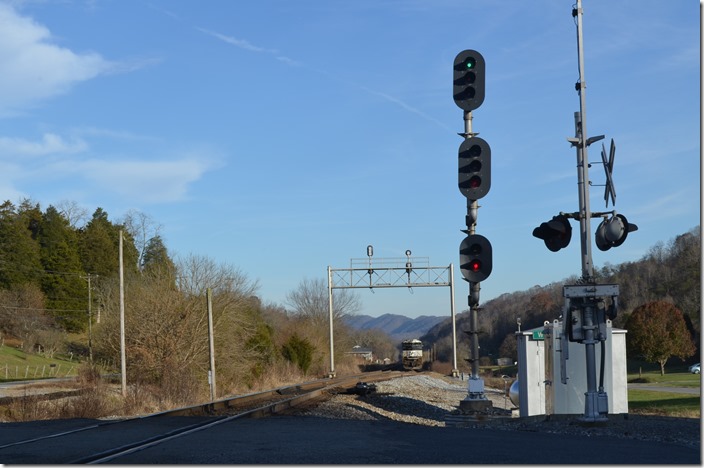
146, 181
123, 135
49, 144
246, 45
241, 43
34, 69
63, 162
9, 172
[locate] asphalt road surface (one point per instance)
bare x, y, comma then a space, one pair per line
313, 440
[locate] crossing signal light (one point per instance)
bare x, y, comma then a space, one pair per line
475, 258
474, 168
612, 232
556, 233
468, 80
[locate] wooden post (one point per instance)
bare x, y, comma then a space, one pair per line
211, 376
123, 367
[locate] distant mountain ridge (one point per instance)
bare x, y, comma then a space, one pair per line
396, 326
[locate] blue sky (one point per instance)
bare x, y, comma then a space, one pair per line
284, 137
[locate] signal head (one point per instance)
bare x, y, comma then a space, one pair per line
475, 258
474, 158
613, 232
468, 80
556, 233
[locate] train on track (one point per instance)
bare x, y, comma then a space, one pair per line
412, 354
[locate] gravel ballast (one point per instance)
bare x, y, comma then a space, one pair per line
434, 399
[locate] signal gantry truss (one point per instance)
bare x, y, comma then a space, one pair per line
410, 272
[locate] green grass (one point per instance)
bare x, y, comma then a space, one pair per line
16, 364
681, 378
664, 403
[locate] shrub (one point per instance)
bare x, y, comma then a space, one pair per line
299, 351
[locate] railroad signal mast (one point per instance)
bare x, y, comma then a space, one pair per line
474, 182
585, 310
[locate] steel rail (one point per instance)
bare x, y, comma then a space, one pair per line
301, 393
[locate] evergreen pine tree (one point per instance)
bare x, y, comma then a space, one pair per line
156, 258
66, 292
19, 253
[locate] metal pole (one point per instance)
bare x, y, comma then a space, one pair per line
332, 346
592, 397
476, 400
123, 362
583, 159
213, 388
455, 372
472, 207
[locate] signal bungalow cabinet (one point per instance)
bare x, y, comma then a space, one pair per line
540, 370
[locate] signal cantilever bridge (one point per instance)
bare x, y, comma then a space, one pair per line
391, 273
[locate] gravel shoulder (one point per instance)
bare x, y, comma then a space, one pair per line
433, 400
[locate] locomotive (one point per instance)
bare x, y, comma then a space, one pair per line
412, 354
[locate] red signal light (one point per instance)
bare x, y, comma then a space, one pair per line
475, 258
475, 265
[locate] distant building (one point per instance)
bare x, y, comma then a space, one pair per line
504, 361
361, 353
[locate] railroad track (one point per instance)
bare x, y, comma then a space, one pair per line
109, 440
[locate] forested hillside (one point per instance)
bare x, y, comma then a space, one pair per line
669, 271
59, 272
398, 327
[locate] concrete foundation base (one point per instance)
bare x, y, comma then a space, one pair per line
475, 406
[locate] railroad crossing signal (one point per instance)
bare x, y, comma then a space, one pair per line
556, 233
609, 190
474, 168
468, 80
612, 232
475, 258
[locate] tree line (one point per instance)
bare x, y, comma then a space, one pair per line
59, 292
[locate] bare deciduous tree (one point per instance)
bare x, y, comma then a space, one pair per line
310, 300
166, 325
141, 227
76, 215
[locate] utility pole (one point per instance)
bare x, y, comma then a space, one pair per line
90, 319
123, 362
211, 372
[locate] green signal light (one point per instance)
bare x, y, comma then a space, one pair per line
470, 63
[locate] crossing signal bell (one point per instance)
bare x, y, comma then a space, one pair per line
556, 233
475, 258
612, 232
468, 80
474, 168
